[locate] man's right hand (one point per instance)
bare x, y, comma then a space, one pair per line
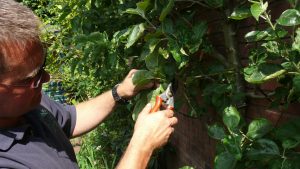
153, 130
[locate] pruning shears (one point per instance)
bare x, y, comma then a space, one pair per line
166, 99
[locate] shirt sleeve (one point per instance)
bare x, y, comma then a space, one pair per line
64, 114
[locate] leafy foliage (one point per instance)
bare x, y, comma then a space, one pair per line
167, 41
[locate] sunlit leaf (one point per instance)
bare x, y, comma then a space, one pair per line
262, 73
135, 34
257, 9
166, 10
136, 12
296, 43
164, 53
258, 128
240, 13
290, 17
142, 77
187, 167
272, 47
231, 117
143, 5
140, 104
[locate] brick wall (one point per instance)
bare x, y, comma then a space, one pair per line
192, 145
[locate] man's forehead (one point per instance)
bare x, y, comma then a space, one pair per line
23, 58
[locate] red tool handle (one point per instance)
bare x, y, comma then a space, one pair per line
158, 103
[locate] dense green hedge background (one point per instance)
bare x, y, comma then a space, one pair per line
93, 44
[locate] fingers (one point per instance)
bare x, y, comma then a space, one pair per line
146, 109
169, 113
131, 73
173, 121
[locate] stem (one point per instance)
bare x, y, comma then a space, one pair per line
268, 19
255, 96
266, 96
147, 20
284, 159
230, 42
214, 74
220, 58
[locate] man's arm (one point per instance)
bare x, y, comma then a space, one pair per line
152, 130
92, 112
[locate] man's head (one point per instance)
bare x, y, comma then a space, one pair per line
21, 60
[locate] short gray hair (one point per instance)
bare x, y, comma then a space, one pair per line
18, 25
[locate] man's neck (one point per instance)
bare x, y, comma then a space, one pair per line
10, 122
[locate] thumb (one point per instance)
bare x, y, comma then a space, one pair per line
131, 73
146, 109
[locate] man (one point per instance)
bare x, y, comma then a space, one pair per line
34, 130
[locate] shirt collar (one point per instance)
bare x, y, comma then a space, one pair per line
8, 136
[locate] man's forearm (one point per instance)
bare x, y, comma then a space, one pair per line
136, 156
92, 112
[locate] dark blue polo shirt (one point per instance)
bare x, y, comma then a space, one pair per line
42, 142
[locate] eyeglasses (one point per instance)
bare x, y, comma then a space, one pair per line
32, 82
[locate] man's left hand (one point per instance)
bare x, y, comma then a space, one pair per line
127, 89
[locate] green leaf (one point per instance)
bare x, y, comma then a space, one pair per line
287, 65
199, 30
262, 149
255, 36
262, 73
166, 10
152, 95
225, 160
288, 133
268, 34
289, 144
187, 167
174, 49
240, 13
258, 128
140, 10
142, 77
257, 9
140, 104
296, 43
167, 26
231, 117
135, 34
164, 53
290, 17
296, 83
143, 5
272, 47
136, 12
215, 3
217, 132
232, 143
154, 61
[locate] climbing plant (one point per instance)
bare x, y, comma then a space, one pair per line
101, 40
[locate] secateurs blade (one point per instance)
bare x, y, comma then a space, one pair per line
166, 100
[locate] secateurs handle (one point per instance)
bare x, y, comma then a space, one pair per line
158, 103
